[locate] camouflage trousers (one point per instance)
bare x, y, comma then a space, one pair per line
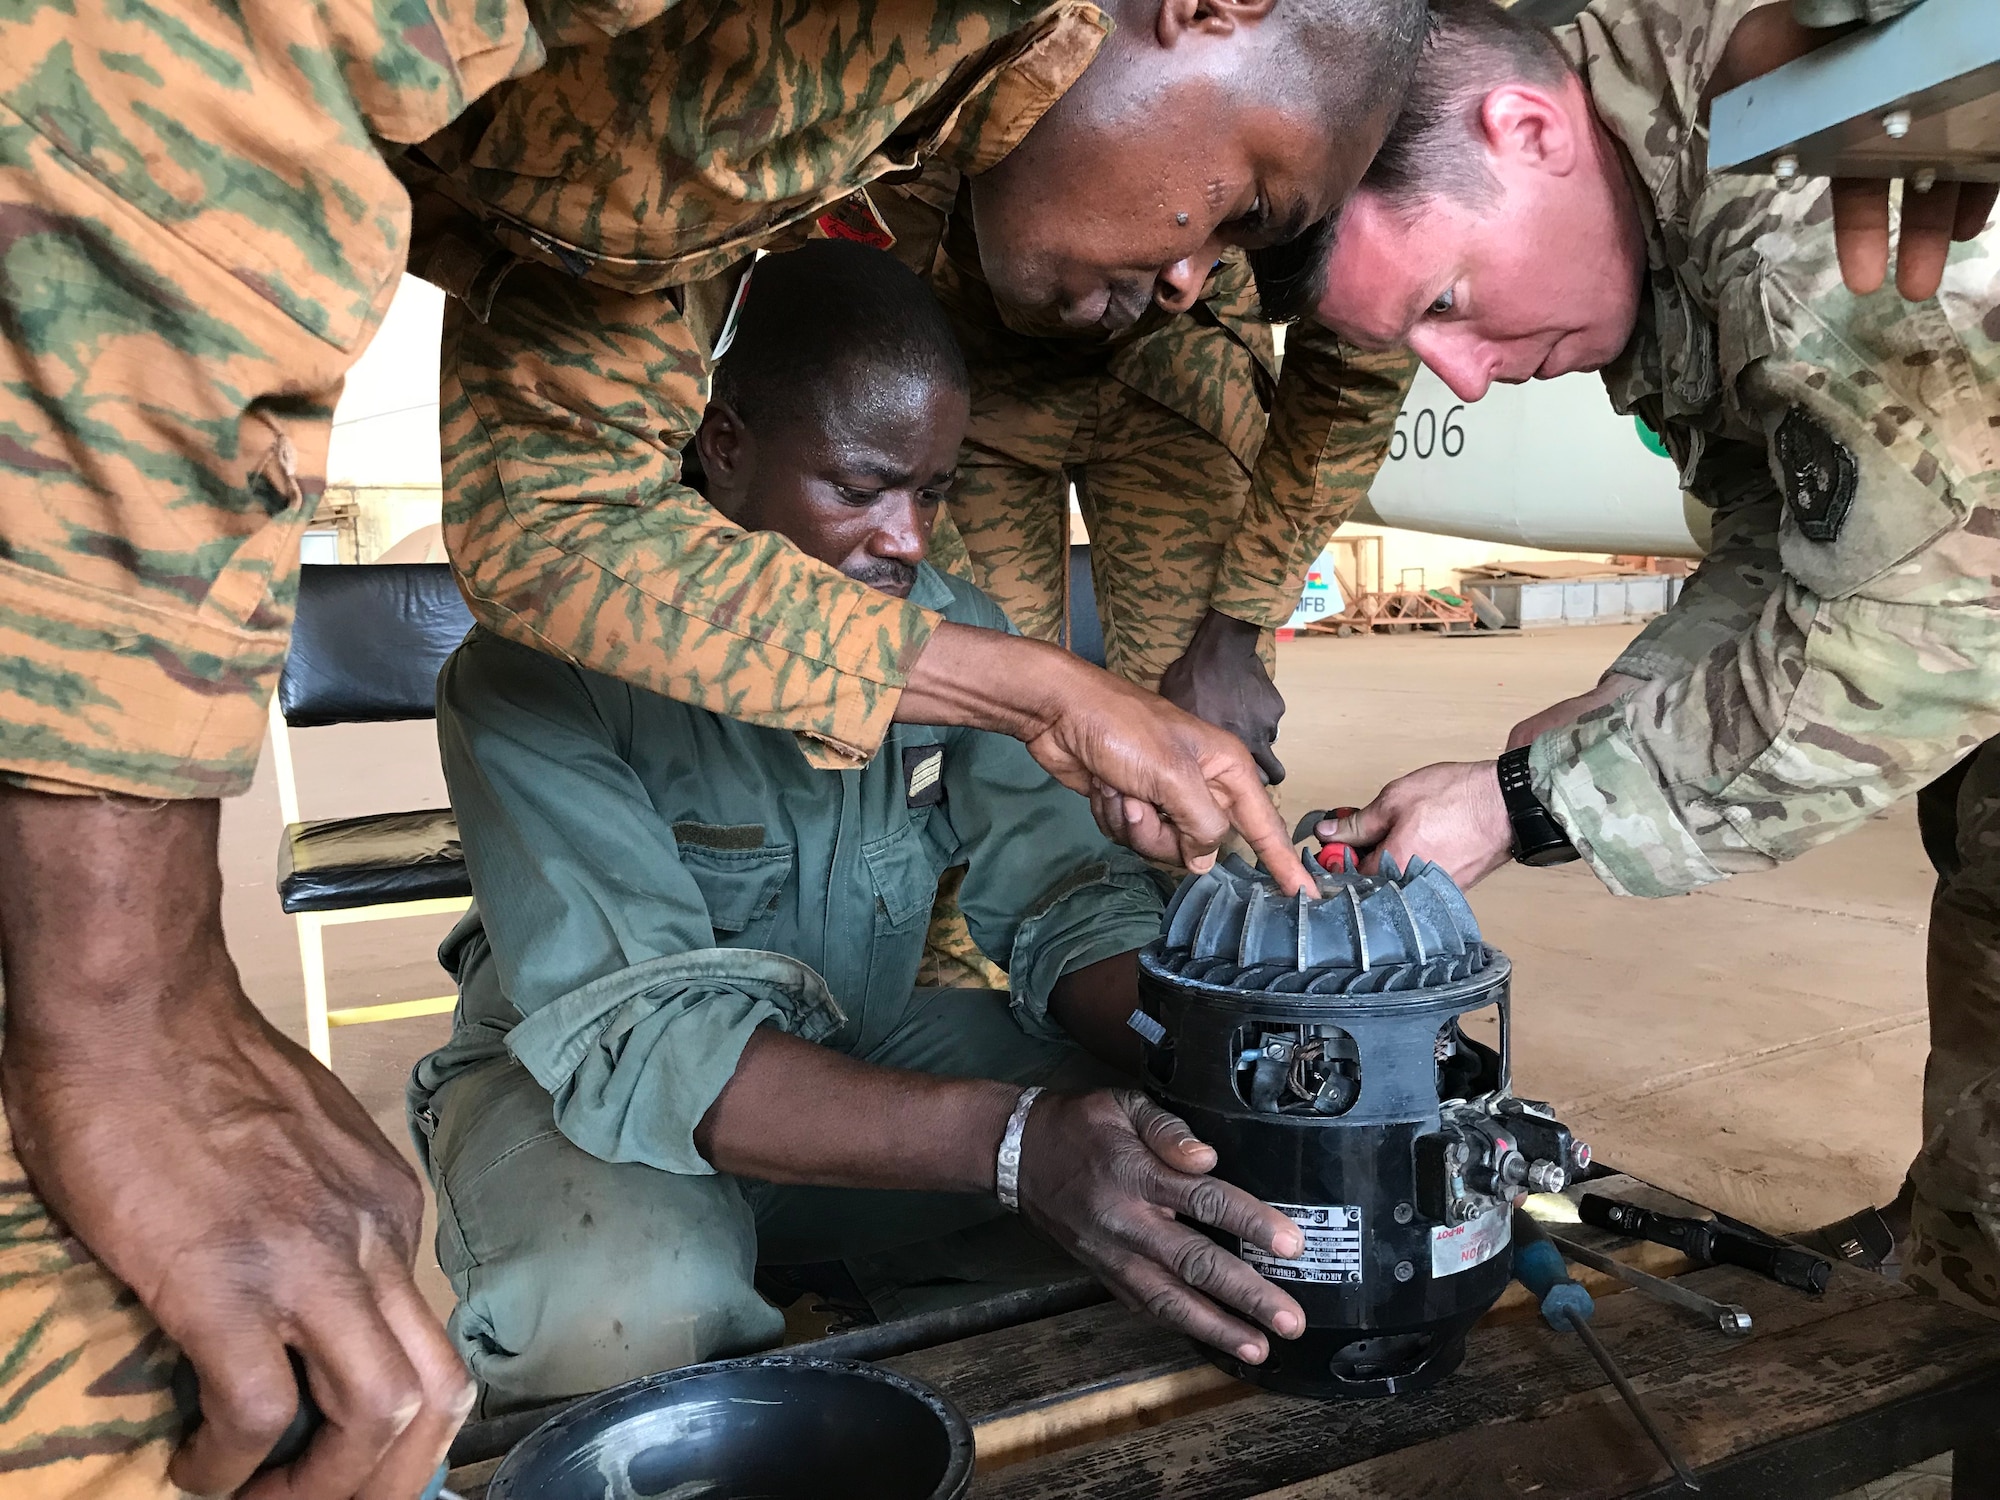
1955, 1220
1160, 498
85, 1408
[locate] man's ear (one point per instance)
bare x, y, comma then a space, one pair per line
1530, 126
723, 443
1177, 18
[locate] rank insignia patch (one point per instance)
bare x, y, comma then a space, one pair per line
923, 773
1820, 475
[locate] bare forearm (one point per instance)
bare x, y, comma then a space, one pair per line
800, 1113
110, 912
210, 1164
1093, 1005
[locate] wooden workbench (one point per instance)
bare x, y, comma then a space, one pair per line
1826, 1394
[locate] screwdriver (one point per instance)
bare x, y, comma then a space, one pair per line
1335, 858
1539, 1267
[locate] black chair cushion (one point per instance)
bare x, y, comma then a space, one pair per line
368, 642
341, 863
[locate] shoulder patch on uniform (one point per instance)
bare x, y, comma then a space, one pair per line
1819, 473
923, 774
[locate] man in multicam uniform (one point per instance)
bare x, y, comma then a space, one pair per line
1840, 647
198, 233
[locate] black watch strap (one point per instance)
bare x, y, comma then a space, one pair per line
1538, 838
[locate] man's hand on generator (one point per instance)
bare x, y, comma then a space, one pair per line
1159, 779
209, 1163
1451, 814
1106, 1174
1220, 679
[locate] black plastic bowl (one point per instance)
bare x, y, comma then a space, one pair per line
771, 1427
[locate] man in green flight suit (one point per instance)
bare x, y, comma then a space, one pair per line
1840, 646
688, 1042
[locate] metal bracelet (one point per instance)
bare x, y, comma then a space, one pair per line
1007, 1173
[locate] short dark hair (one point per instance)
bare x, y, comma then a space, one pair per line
1292, 277
815, 319
1473, 47
1355, 55
1470, 48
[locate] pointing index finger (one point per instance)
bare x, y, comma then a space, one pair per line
1264, 831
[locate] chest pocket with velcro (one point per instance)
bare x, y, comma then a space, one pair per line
904, 877
741, 887
1857, 461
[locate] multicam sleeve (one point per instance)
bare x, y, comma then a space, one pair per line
1820, 715
1724, 596
564, 414
1330, 425
1874, 664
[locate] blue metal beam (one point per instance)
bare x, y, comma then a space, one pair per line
1920, 92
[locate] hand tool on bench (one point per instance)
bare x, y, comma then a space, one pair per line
1538, 1265
1710, 1242
1729, 1317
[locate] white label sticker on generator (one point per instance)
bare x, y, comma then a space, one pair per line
1464, 1246
1333, 1245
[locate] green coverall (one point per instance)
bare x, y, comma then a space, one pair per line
652, 883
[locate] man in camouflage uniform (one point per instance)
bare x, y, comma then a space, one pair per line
1201, 529
1840, 647
198, 233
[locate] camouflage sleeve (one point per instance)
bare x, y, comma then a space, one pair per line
1874, 665
563, 417
1724, 596
1330, 424
86, 1388
182, 297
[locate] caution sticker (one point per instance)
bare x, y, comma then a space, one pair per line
1464, 1246
1333, 1245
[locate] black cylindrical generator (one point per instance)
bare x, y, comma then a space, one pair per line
1316, 1042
